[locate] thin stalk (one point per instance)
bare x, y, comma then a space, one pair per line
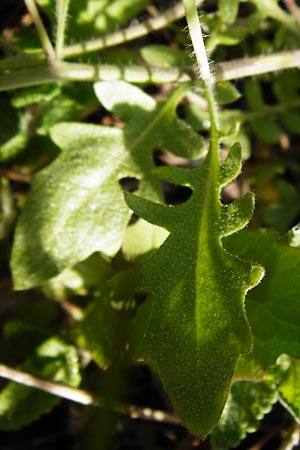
294, 9
229, 70
62, 7
8, 208
129, 34
83, 397
41, 30
110, 40
206, 76
9, 47
275, 12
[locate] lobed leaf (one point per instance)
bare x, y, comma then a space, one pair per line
193, 327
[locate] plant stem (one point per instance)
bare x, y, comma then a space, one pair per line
275, 12
9, 47
43, 35
62, 7
294, 9
207, 78
129, 34
8, 208
84, 397
116, 38
229, 70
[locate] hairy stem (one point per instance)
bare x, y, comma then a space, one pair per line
62, 7
129, 34
43, 35
230, 70
202, 61
110, 40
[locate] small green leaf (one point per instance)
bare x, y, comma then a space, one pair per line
226, 92
193, 326
54, 360
228, 10
13, 137
165, 56
247, 404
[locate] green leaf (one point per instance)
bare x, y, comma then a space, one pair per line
76, 205
193, 326
89, 277
69, 207
228, 10
54, 360
142, 238
225, 93
273, 308
165, 56
150, 123
101, 331
282, 214
247, 404
13, 137
267, 129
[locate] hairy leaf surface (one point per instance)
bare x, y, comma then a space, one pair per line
76, 204
193, 327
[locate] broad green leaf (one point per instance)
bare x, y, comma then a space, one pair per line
165, 56
247, 404
273, 308
76, 205
228, 10
193, 326
54, 360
